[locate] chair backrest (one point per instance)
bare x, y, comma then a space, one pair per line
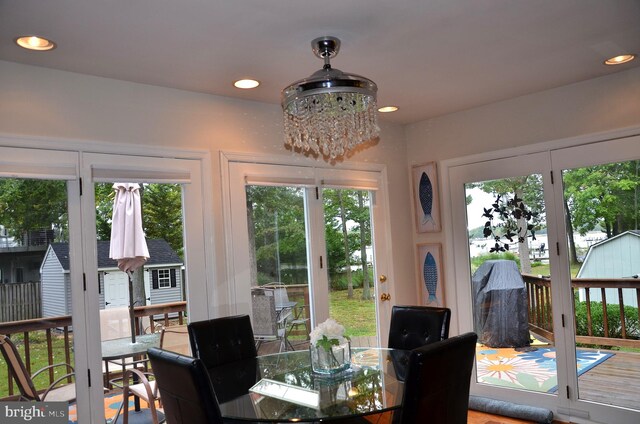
115, 323
263, 312
222, 340
186, 391
438, 379
279, 292
415, 326
176, 339
17, 369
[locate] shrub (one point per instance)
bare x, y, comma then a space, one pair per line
613, 320
479, 260
339, 282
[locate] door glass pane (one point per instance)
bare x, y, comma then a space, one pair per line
511, 290
152, 300
35, 285
350, 263
279, 269
601, 209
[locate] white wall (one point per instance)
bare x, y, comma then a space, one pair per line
56, 105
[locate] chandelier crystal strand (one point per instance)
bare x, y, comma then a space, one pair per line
331, 112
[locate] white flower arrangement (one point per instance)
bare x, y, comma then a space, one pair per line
328, 334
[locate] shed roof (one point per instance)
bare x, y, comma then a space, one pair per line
159, 251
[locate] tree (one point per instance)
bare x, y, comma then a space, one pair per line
363, 217
162, 214
518, 209
27, 205
277, 230
604, 195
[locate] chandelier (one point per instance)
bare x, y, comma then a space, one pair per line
331, 112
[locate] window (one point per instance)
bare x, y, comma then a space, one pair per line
164, 278
19, 275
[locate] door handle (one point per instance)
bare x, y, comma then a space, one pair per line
382, 278
385, 297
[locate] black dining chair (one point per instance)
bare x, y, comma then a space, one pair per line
437, 382
187, 394
415, 326
222, 340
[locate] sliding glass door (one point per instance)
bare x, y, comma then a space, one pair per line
544, 262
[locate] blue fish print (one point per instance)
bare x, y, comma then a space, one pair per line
425, 192
431, 276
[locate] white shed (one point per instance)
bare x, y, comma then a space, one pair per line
163, 278
615, 257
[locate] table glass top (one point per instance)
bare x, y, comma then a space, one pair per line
282, 387
122, 348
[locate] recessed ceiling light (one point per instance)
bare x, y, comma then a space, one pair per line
246, 83
387, 109
33, 42
619, 60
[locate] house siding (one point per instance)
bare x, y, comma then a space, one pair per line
613, 258
168, 294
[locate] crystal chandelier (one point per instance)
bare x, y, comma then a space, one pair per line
331, 112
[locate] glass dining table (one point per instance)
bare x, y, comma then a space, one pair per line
282, 387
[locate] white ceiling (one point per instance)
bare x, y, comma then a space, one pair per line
429, 57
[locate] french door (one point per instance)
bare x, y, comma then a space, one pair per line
321, 234
516, 222
172, 199
48, 257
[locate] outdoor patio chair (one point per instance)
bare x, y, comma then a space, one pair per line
115, 323
143, 384
438, 380
415, 326
266, 324
24, 381
185, 387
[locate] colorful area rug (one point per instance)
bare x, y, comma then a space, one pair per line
111, 405
534, 370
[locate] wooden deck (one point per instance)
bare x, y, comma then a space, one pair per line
616, 381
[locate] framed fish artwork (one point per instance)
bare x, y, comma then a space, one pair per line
426, 197
430, 274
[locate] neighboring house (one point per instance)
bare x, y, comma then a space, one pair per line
163, 278
20, 258
615, 257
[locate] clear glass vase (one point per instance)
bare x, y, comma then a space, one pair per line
332, 361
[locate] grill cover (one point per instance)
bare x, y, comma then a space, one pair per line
500, 310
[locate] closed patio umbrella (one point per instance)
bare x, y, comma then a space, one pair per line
128, 245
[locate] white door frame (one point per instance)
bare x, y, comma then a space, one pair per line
543, 158
102, 167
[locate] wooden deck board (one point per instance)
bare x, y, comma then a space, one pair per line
616, 381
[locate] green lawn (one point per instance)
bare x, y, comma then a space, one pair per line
357, 315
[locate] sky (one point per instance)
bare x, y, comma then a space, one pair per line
475, 210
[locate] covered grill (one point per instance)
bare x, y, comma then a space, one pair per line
500, 310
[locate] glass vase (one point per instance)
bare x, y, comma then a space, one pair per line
332, 361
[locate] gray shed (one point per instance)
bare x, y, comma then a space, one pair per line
163, 278
615, 257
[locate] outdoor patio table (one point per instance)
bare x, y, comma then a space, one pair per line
282, 387
120, 349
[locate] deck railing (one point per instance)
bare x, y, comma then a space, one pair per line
540, 317
61, 327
